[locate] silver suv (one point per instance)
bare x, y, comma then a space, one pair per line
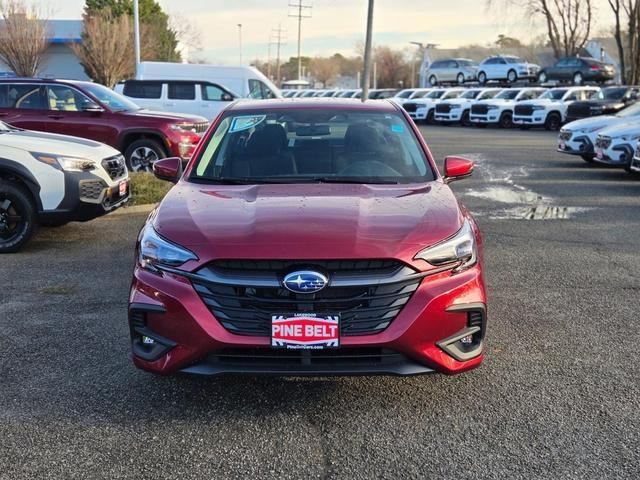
458, 70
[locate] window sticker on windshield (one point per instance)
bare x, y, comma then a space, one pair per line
246, 122
397, 128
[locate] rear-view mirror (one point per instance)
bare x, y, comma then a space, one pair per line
457, 168
169, 169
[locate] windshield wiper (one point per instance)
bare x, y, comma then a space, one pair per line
353, 180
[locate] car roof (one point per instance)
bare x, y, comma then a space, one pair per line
313, 103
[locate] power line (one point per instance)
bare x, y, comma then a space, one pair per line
277, 38
300, 11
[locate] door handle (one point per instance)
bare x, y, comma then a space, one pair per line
169, 104
56, 117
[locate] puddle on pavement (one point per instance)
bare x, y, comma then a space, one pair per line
501, 189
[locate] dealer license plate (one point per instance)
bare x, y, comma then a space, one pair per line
599, 154
305, 331
122, 188
563, 145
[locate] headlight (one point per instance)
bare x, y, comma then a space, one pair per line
70, 164
155, 250
183, 127
537, 107
459, 251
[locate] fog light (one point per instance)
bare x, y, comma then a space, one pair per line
465, 340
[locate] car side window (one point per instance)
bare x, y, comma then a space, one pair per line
182, 91
23, 96
436, 65
571, 97
65, 99
142, 89
501, 61
211, 92
259, 90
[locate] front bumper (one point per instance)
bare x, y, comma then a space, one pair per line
493, 116
635, 165
87, 196
576, 144
419, 114
535, 119
452, 116
421, 339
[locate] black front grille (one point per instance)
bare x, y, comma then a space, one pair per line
368, 294
410, 107
578, 111
525, 110
115, 166
479, 109
91, 189
443, 108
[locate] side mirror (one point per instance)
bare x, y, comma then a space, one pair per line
92, 107
169, 169
227, 97
457, 168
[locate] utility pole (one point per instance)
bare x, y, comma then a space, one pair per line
367, 53
277, 39
301, 10
136, 37
240, 41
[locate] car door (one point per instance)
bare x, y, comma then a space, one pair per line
23, 105
450, 71
213, 98
181, 98
67, 115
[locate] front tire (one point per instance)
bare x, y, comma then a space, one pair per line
577, 78
482, 78
17, 217
460, 79
433, 80
430, 117
506, 120
465, 121
587, 158
553, 122
512, 76
142, 154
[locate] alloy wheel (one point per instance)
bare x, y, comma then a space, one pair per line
11, 218
142, 159
577, 79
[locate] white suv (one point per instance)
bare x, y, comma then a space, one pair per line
458, 109
579, 137
550, 109
506, 67
616, 145
54, 179
499, 109
424, 108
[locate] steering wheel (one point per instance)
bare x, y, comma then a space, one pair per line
369, 168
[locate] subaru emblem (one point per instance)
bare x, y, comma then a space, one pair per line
305, 281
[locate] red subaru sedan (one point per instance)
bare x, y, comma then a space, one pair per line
309, 237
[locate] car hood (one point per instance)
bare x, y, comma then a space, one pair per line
594, 122
308, 220
55, 144
171, 117
603, 104
497, 101
627, 128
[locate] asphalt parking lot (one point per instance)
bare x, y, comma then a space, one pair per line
558, 396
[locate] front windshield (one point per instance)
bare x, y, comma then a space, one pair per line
508, 94
312, 146
553, 94
405, 94
470, 94
614, 93
451, 94
113, 100
632, 111
434, 94
487, 95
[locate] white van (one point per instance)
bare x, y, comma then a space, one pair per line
195, 88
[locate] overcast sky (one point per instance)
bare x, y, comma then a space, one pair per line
336, 25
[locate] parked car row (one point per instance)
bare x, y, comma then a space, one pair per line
511, 69
524, 107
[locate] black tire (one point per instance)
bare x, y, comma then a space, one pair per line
553, 122
542, 77
482, 78
512, 76
506, 120
460, 79
17, 216
433, 80
430, 120
465, 120
578, 79
141, 155
587, 158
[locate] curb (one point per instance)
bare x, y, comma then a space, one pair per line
146, 208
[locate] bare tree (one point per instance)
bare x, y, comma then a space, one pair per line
568, 22
106, 51
187, 32
23, 37
627, 35
324, 69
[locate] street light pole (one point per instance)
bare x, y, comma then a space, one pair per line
240, 41
136, 37
367, 53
